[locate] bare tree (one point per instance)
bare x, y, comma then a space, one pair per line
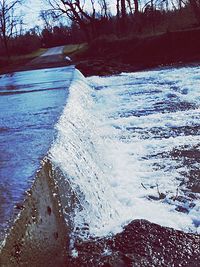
195, 4
121, 14
47, 19
118, 9
123, 9
8, 21
133, 7
104, 8
78, 12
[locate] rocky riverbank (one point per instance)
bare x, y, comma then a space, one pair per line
140, 244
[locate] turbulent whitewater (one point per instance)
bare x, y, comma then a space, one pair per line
129, 147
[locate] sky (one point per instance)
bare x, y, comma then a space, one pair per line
32, 9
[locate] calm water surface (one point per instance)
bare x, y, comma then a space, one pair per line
30, 103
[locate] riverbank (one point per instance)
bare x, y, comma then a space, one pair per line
112, 56
16, 62
38, 59
140, 244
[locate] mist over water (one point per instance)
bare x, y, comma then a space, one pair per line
129, 145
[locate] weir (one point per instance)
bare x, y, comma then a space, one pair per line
102, 170
70, 193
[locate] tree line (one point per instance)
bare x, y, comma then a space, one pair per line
73, 21
97, 18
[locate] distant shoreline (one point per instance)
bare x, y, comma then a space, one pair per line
108, 55
94, 67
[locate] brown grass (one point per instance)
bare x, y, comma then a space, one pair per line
8, 65
74, 49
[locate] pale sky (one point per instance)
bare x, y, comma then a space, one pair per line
32, 8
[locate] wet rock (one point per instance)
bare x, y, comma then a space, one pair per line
181, 209
153, 197
19, 206
141, 244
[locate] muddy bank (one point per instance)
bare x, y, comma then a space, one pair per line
106, 56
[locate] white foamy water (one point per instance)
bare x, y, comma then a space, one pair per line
127, 146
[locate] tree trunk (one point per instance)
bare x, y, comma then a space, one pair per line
136, 7
118, 10
123, 17
123, 9
5, 42
196, 9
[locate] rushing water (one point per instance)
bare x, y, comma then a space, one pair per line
128, 144
31, 103
129, 147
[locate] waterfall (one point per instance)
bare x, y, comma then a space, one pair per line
78, 152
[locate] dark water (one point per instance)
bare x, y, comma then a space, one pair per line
31, 103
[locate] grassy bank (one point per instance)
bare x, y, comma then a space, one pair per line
14, 62
106, 56
19, 62
74, 49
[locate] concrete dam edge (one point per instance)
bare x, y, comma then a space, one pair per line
38, 236
40, 233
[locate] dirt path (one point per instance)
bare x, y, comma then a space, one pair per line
52, 58
58, 50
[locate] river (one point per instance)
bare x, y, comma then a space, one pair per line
127, 144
